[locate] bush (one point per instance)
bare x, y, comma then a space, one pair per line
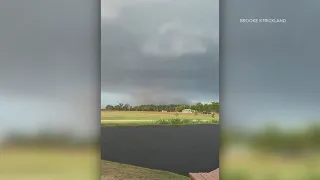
173, 121
214, 121
177, 121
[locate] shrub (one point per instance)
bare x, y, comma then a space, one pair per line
161, 121
177, 121
214, 121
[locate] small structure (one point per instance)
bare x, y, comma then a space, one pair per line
164, 111
213, 175
187, 111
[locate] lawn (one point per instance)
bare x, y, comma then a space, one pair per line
149, 115
48, 163
148, 118
117, 171
68, 164
258, 166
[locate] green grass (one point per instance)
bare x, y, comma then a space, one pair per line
48, 163
172, 121
126, 122
117, 171
137, 118
23, 163
267, 166
142, 115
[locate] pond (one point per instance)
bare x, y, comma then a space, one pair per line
178, 149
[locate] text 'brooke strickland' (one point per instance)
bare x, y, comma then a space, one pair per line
256, 20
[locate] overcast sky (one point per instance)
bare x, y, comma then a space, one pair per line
49, 54
49, 59
270, 72
159, 51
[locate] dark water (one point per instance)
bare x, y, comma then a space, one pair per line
179, 149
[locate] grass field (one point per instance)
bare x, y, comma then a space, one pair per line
147, 117
48, 164
264, 166
116, 171
69, 164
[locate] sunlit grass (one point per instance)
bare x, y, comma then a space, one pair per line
140, 118
149, 115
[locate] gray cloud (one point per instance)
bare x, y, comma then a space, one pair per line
41, 48
270, 71
49, 54
164, 51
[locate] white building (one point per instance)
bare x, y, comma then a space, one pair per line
187, 111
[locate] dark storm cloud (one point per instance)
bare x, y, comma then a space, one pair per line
49, 54
283, 57
270, 71
161, 49
43, 49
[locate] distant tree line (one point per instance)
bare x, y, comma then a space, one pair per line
49, 139
200, 107
273, 139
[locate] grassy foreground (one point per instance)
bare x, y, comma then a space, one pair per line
265, 166
48, 163
70, 164
116, 171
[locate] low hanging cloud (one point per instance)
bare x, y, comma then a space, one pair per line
110, 9
161, 53
174, 39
